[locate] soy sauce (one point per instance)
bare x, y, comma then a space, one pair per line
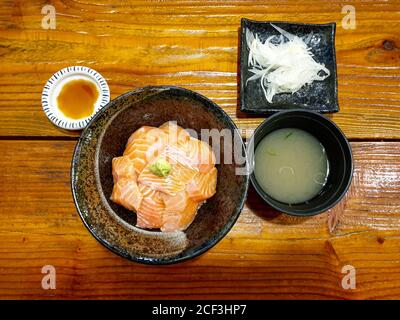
77, 99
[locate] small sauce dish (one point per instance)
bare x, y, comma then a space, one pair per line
73, 95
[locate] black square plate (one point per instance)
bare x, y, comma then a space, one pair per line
320, 96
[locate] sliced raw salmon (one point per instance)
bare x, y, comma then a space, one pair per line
176, 154
176, 203
200, 153
176, 134
150, 212
169, 202
146, 147
123, 167
126, 193
137, 152
203, 186
180, 211
174, 182
139, 133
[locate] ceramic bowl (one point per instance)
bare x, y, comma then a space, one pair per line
105, 138
320, 96
338, 150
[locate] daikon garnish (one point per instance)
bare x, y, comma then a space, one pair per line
284, 67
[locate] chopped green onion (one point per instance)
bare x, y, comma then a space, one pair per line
288, 135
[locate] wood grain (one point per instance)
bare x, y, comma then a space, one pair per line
194, 44
266, 254
191, 44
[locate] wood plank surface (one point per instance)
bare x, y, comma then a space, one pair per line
193, 44
266, 254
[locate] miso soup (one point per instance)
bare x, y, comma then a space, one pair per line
291, 165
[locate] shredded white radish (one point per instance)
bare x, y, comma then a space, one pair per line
284, 67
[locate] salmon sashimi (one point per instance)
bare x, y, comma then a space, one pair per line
150, 212
203, 186
180, 211
176, 134
174, 182
176, 203
146, 140
139, 133
126, 193
164, 176
123, 168
146, 147
201, 154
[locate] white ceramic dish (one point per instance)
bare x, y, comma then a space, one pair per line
53, 87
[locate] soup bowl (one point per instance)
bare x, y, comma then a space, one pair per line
338, 151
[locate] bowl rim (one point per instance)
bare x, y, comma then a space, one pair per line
173, 259
265, 196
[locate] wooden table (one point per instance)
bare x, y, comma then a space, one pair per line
193, 44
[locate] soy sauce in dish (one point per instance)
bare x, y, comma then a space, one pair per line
291, 165
77, 99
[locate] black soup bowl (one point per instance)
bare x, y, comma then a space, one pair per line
338, 151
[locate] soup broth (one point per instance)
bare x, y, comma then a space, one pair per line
291, 165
